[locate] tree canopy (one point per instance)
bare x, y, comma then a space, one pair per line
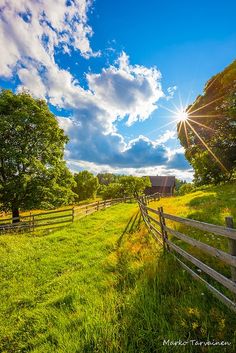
86, 185
33, 173
209, 134
107, 178
126, 186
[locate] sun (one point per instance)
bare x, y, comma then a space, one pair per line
182, 116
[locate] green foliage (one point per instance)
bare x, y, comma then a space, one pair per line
33, 173
107, 178
112, 191
134, 186
126, 187
186, 189
86, 185
179, 183
216, 110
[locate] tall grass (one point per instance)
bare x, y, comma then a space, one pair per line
103, 285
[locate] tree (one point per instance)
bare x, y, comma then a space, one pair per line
126, 187
209, 138
33, 173
112, 191
86, 185
106, 178
179, 183
186, 189
134, 186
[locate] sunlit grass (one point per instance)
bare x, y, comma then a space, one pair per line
103, 285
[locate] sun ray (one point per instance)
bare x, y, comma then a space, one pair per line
196, 122
161, 127
169, 110
181, 102
204, 106
208, 148
186, 134
180, 125
205, 116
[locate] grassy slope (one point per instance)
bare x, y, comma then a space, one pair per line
102, 285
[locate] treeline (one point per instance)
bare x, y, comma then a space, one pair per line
108, 185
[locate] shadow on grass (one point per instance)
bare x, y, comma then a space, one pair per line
126, 247
168, 307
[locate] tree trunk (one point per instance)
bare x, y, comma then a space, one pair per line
15, 214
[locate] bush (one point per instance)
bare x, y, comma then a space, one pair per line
186, 189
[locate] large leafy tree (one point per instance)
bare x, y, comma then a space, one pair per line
32, 170
210, 141
86, 185
134, 186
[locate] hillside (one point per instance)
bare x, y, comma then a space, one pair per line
103, 285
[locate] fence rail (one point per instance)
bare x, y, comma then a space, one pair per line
50, 219
162, 235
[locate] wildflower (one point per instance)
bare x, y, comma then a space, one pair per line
195, 325
222, 324
191, 310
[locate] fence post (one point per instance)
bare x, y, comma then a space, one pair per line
73, 214
231, 245
97, 205
33, 222
30, 221
163, 231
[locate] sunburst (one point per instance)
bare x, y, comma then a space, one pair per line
183, 118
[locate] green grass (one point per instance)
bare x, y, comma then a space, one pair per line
103, 285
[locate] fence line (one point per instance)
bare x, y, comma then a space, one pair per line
162, 235
59, 217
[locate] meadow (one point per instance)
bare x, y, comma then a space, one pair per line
102, 284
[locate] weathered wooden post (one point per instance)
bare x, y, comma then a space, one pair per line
73, 214
163, 231
33, 222
98, 206
231, 245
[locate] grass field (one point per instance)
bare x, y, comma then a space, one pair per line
103, 285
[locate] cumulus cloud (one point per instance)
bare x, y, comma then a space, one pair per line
31, 33
31, 30
126, 90
89, 142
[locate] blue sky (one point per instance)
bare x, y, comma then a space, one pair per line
111, 71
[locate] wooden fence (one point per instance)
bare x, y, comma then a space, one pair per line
50, 219
156, 222
34, 221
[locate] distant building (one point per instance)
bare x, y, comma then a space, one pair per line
165, 185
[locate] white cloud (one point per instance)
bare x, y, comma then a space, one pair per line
168, 135
127, 90
32, 81
94, 168
31, 32
171, 92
